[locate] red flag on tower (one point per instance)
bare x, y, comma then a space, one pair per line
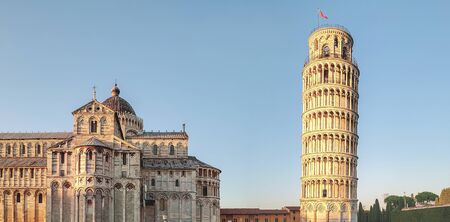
323, 15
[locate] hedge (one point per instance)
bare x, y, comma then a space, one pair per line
436, 214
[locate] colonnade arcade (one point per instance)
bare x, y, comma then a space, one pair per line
325, 97
24, 149
329, 188
331, 165
22, 205
326, 72
93, 160
92, 204
331, 120
330, 142
174, 206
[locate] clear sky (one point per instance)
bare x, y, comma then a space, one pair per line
231, 71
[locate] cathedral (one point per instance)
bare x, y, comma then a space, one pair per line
107, 169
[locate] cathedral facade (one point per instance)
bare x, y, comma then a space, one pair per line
107, 169
330, 79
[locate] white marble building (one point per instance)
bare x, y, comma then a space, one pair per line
107, 169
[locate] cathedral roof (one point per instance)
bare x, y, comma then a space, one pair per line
250, 211
201, 163
168, 163
92, 142
174, 163
23, 162
117, 103
161, 135
29, 136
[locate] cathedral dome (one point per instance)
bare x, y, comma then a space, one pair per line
118, 104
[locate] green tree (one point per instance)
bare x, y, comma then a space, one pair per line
370, 217
426, 197
383, 215
361, 213
445, 197
398, 202
376, 212
388, 212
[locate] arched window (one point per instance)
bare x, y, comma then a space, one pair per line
155, 150
336, 43
93, 126
172, 150
124, 159
18, 197
38, 149
177, 183
22, 149
325, 51
162, 204
324, 193
90, 155
344, 52
79, 125
103, 125
153, 182
8, 149
107, 158
205, 191
40, 198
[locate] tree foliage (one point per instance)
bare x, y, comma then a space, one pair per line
445, 197
389, 208
376, 211
426, 197
362, 216
398, 202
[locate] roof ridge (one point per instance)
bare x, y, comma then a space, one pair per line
35, 135
36, 132
93, 141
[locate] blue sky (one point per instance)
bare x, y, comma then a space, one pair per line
231, 71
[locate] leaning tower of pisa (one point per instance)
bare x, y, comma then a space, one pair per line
330, 79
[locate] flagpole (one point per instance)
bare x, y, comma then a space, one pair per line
318, 18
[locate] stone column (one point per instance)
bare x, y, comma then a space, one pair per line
82, 202
57, 163
61, 210
94, 213
103, 208
75, 206
66, 163
48, 204
111, 205
124, 202
94, 162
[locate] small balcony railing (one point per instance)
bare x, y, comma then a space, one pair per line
331, 26
331, 55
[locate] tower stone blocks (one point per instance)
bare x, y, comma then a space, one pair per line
330, 79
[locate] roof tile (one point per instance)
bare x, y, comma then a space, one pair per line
29, 136
23, 162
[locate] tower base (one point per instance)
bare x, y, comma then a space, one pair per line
328, 211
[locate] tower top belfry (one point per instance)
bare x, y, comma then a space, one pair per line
332, 41
330, 78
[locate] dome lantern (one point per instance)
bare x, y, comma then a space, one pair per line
115, 91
